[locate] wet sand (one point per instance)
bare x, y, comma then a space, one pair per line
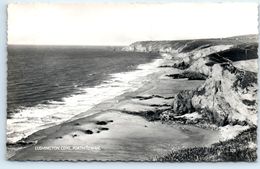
107, 133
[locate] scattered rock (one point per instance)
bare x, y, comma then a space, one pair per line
88, 132
103, 128
147, 97
143, 97
182, 65
190, 75
101, 123
150, 115
74, 135
166, 66
159, 105
20, 143
249, 102
110, 121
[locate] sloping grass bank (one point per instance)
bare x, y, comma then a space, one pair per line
240, 148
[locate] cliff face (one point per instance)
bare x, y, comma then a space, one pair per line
228, 96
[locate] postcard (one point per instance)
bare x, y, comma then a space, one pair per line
161, 82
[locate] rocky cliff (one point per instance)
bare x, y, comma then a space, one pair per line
229, 94
228, 97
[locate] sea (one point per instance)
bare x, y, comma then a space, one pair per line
48, 85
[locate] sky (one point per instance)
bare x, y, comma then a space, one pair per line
125, 23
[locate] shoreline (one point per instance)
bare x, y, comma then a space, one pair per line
66, 109
155, 136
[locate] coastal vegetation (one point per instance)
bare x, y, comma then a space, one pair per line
240, 148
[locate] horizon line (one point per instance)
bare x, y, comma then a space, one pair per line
252, 34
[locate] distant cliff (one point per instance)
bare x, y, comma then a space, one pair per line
184, 46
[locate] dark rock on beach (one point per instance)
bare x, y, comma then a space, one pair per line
189, 75
101, 123
103, 128
88, 132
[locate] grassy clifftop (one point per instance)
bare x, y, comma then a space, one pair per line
188, 45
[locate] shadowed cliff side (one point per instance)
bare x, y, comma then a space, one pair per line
228, 97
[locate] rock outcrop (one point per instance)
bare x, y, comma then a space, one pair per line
228, 96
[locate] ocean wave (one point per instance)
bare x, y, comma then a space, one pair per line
29, 120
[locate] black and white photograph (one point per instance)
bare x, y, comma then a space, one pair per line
132, 82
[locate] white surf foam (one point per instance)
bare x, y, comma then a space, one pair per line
31, 119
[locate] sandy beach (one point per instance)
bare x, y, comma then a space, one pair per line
117, 130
